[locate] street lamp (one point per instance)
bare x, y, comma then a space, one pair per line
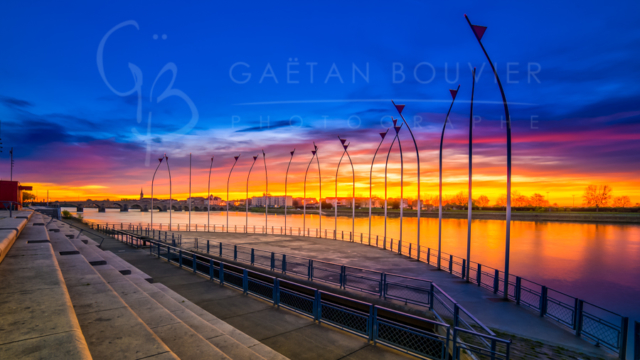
170, 191
319, 190
382, 135
478, 31
335, 203
353, 194
453, 95
152, 179
470, 200
266, 203
400, 108
285, 191
304, 198
234, 164
385, 183
397, 128
189, 192
209, 196
246, 202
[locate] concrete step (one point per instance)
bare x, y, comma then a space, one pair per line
37, 320
179, 337
228, 345
251, 343
124, 267
111, 329
91, 253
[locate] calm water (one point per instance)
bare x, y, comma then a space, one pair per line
596, 262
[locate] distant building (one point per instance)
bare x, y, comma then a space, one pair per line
309, 201
271, 201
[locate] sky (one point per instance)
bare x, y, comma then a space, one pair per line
93, 93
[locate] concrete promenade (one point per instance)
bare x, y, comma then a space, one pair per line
484, 305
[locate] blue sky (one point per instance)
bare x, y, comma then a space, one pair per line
573, 82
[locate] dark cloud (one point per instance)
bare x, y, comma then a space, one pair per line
14, 103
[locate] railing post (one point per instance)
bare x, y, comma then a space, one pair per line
210, 269
253, 256
276, 291
207, 246
464, 269
456, 314
245, 281
342, 234
169, 255
220, 247
310, 270
543, 301
317, 307
180, 257
450, 264
518, 289
410, 250
428, 256
496, 281
273, 261
400, 246
343, 277
221, 273
235, 252
371, 322
194, 264
196, 241
624, 334
382, 285
479, 275
284, 263
432, 289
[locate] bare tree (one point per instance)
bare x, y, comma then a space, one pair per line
597, 196
482, 201
621, 201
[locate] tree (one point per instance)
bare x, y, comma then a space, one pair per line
621, 201
597, 196
482, 201
519, 200
295, 203
501, 201
538, 200
26, 196
459, 199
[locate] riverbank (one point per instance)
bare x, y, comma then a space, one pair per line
586, 217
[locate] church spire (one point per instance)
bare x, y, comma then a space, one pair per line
141, 194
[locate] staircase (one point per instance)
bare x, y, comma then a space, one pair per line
109, 309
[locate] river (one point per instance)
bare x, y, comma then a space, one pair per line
599, 263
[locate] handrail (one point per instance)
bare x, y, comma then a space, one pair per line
536, 300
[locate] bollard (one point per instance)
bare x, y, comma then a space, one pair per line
220, 246
496, 282
464, 268
518, 289
410, 250
235, 252
400, 246
376, 240
342, 234
196, 244
450, 264
543, 301
391, 244
207, 246
479, 275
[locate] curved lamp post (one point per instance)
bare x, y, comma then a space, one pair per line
319, 190
470, 204
335, 203
400, 108
478, 31
170, 194
209, 195
453, 95
152, 179
285, 191
382, 135
304, 198
234, 164
266, 203
353, 194
397, 128
385, 185
246, 202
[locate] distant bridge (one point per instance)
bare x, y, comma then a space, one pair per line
143, 205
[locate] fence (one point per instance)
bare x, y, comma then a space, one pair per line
411, 334
589, 321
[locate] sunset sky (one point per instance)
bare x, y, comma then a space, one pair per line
92, 95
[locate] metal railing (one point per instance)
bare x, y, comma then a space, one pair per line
411, 334
589, 321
